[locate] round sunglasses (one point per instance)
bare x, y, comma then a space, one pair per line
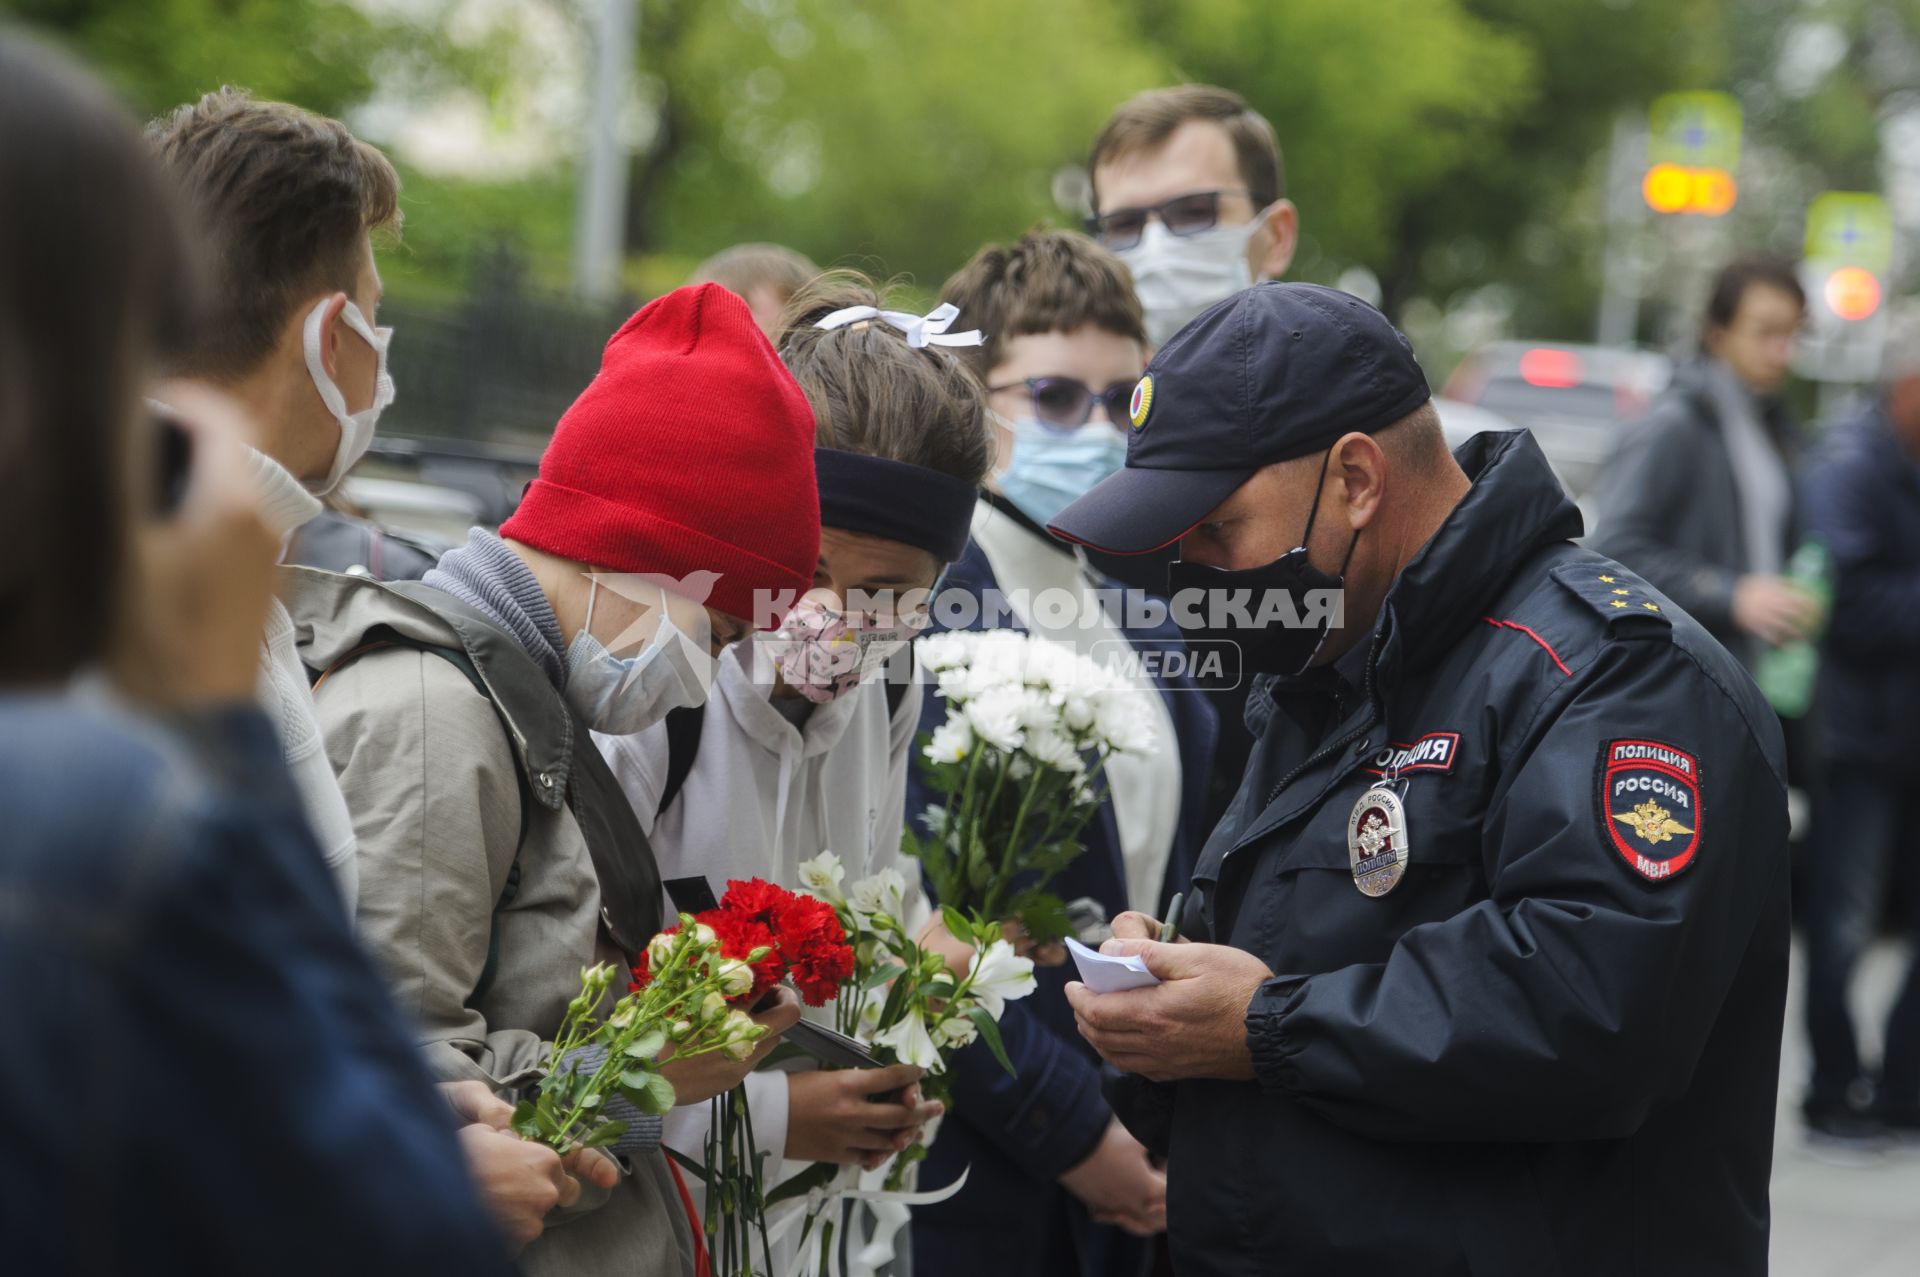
1066, 403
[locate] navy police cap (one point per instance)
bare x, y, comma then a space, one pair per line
1274, 372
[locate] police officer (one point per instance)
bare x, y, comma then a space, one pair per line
1483, 971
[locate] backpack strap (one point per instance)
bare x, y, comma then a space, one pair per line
457, 658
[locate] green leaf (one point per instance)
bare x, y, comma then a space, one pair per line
604, 1135
957, 924
990, 1034
635, 1079
526, 1120
648, 1045
659, 1095
881, 975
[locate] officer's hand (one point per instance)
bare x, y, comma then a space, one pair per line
1191, 1025
1133, 925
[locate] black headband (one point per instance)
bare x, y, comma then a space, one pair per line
895, 500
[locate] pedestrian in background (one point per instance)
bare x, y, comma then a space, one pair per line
1699, 497
765, 276
185, 1004
1861, 494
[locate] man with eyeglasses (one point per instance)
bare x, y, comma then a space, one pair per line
1189, 191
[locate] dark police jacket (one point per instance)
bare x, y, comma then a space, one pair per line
1553, 1047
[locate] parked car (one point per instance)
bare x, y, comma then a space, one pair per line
1575, 399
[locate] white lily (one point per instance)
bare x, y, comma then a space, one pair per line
881, 893
911, 1042
1000, 976
822, 876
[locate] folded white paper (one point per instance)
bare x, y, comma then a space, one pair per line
1104, 973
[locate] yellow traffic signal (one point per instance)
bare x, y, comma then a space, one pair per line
1674, 188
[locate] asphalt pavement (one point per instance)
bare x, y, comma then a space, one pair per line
1842, 1220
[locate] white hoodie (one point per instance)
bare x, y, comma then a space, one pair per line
763, 796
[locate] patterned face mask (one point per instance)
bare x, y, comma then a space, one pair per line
823, 654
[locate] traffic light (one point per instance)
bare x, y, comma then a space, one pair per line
1849, 256
1852, 293
1693, 149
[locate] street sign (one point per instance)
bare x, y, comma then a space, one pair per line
1693, 151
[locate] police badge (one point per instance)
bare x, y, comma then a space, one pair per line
1377, 840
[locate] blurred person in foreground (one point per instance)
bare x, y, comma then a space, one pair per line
765, 276
1699, 497
498, 855
1861, 495
185, 1002
1070, 1189
1189, 190
1484, 971
285, 203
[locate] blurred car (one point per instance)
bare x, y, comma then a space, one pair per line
1575, 399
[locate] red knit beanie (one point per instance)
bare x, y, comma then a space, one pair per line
691, 451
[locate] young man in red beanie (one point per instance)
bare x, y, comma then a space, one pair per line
498, 855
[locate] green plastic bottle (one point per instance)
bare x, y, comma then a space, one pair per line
1786, 674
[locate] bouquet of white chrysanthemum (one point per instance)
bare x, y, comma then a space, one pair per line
1019, 763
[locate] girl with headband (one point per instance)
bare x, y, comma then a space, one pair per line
805, 744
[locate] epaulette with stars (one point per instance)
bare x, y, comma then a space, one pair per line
1617, 595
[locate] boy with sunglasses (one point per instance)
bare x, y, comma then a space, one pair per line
1068, 1189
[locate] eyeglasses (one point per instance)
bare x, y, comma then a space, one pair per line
1066, 403
1182, 215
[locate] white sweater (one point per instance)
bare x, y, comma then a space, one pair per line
763, 796
286, 697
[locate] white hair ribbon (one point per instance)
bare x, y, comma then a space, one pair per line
929, 329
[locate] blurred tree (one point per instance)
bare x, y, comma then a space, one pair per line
160, 53
855, 129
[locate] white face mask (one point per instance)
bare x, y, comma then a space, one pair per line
1178, 276
356, 428
620, 696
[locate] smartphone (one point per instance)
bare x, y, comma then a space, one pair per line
173, 461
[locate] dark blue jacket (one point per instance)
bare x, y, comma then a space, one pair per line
1020, 1135
200, 1073
1861, 496
1553, 1047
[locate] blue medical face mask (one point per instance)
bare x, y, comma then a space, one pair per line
1052, 468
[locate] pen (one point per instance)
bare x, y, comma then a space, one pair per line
1170, 930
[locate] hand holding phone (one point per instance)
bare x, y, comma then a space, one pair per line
202, 562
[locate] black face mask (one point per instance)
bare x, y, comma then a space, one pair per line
1268, 647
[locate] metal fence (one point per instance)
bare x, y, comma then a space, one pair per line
498, 366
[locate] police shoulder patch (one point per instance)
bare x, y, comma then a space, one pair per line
1616, 594
1650, 806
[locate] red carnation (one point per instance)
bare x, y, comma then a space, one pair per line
740, 935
